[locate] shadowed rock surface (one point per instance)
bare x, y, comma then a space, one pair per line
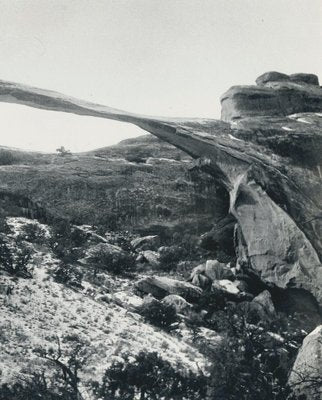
264, 156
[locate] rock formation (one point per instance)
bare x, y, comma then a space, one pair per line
265, 152
161, 286
306, 374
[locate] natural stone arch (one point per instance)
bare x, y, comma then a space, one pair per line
280, 235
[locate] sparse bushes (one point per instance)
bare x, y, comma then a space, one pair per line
66, 242
106, 257
158, 313
147, 377
4, 227
68, 275
15, 256
250, 356
33, 388
170, 256
33, 232
6, 157
163, 211
63, 152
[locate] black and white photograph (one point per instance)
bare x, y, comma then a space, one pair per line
160, 200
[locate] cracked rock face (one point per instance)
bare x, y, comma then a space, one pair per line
265, 152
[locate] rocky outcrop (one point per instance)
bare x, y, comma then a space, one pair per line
306, 375
127, 300
212, 270
178, 302
215, 270
151, 242
262, 306
220, 239
264, 156
149, 257
161, 286
276, 95
229, 290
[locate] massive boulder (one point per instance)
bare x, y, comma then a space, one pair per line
306, 375
265, 153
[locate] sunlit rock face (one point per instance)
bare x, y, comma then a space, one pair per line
276, 94
265, 154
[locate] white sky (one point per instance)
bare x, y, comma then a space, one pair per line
159, 57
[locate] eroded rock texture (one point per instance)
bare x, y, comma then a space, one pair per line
266, 153
306, 375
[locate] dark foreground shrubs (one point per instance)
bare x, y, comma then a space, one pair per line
252, 362
36, 387
66, 241
109, 258
149, 377
15, 256
158, 313
68, 275
33, 233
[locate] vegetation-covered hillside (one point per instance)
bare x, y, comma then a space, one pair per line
141, 184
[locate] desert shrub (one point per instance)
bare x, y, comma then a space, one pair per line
68, 275
78, 237
211, 301
63, 152
66, 241
65, 364
4, 227
15, 256
149, 377
33, 388
163, 211
111, 259
33, 232
158, 313
249, 356
6, 157
170, 256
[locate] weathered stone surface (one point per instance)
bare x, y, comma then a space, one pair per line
272, 76
276, 248
199, 269
126, 300
220, 239
306, 374
150, 257
226, 286
276, 95
268, 160
151, 242
301, 78
178, 302
263, 306
104, 248
215, 270
201, 281
161, 286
